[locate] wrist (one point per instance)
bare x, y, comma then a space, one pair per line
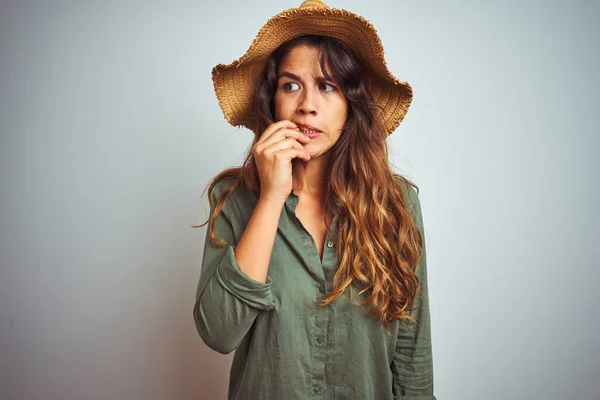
271, 201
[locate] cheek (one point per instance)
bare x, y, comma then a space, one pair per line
282, 107
343, 114
277, 105
342, 107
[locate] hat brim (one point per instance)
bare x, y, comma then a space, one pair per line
234, 83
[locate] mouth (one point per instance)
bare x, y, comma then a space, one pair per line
308, 130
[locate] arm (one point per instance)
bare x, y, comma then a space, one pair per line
228, 300
412, 365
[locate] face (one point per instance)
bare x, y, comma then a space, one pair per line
304, 96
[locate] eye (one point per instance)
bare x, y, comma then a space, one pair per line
289, 86
327, 87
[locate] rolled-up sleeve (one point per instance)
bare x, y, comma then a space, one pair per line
227, 300
412, 365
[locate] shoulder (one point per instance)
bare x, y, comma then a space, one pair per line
220, 187
240, 202
411, 200
411, 196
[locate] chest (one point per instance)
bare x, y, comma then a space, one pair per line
312, 216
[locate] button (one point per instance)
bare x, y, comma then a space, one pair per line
330, 244
316, 390
319, 339
308, 243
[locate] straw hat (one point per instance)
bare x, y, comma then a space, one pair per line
235, 83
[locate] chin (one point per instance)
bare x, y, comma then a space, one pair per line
312, 150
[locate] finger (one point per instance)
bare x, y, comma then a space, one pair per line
286, 133
271, 129
289, 154
280, 135
282, 145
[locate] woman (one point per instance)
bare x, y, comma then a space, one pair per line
313, 216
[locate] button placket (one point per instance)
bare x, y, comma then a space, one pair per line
319, 357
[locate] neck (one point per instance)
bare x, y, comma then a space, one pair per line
309, 177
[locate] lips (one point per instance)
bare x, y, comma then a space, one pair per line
305, 128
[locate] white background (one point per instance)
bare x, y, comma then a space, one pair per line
110, 131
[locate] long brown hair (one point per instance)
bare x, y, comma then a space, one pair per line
379, 242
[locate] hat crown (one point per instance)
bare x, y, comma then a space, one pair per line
235, 83
313, 4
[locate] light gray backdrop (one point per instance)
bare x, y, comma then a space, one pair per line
110, 131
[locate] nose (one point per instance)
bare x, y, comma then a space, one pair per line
307, 103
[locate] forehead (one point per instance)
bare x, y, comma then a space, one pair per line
302, 59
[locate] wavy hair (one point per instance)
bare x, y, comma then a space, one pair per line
379, 241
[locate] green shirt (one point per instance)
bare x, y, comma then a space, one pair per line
286, 347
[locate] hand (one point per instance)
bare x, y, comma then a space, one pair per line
278, 145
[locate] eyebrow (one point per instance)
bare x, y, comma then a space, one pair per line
296, 77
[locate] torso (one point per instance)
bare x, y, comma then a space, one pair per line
310, 212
